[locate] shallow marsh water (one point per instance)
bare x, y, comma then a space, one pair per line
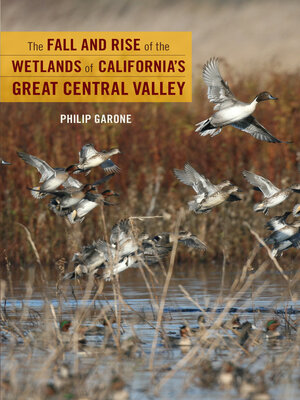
267, 296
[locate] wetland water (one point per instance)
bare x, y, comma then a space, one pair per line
267, 295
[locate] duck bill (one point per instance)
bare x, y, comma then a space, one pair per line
273, 98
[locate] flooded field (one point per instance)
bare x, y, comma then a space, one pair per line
129, 358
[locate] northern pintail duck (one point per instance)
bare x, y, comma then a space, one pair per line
229, 110
90, 158
71, 195
2, 162
208, 194
292, 241
52, 178
273, 195
284, 234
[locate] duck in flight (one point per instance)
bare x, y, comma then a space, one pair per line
272, 194
51, 178
90, 158
229, 110
208, 194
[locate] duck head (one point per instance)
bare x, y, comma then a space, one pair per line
272, 325
115, 151
108, 193
265, 96
236, 323
88, 187
71, 168
184, 331
224, 184
201, 320
65, 325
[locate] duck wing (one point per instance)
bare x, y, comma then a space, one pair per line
103, 180
209, 188
44, 169
183, 177
109, 166
218, 91
189, 176
252, 126
72, 183
59, 192
102, 247
263, 184
87, 151
120, 231
192, 241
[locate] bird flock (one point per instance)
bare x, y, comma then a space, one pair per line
75, 201
127, 247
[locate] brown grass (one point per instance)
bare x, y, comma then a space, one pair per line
161, 138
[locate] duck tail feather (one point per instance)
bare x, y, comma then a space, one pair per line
205, 128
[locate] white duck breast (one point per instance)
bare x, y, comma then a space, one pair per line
82, 209
232, 114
